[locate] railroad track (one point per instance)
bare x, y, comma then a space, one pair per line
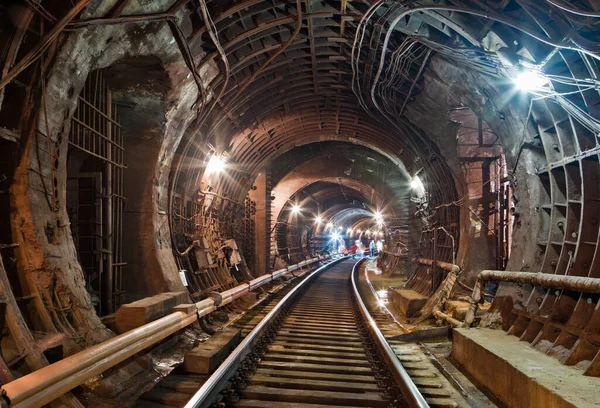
178, 387
315, 349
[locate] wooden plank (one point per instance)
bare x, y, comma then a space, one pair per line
166, 397
328, 338
313, 346
312, 384
320, 368
246, 403
140, 312
310, 332
205, 358
313, 340
315, 375
314, 397
406, 301
299, 351
274, 356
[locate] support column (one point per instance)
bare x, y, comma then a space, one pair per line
107, 218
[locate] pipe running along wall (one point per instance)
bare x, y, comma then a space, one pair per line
46, 384
545, 280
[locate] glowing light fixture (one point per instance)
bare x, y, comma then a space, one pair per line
216, 164
335, 236
416, 183
329, 225
528, 80
296, 208
318, 220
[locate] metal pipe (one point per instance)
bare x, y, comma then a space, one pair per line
546, 280
410, 392
48, 383
107, 215
50, 380
443, 265
438, 314
43, 45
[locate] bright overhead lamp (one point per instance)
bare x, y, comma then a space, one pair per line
528, 80
416, 183
296, 208
335, 236
318, 220
216, 164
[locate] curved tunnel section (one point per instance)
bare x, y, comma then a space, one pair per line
203, 139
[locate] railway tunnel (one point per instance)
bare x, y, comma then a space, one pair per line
190, 190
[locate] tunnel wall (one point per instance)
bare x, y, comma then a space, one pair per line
47, 261
448, 85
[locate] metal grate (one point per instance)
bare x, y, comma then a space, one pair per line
95, 131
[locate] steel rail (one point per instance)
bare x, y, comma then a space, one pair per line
209, 391
411, 393
48, 383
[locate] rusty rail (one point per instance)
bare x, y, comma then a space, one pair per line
48, 383
546, 280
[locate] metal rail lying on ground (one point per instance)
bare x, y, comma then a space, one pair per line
48, 383
411, 393
546, 280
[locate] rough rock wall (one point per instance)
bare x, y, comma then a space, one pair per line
448, 85
47, 260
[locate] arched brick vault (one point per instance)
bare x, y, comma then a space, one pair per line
305, 94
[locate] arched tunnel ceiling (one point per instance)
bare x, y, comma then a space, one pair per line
325, 178
361, 159
304, 94
290, 72
342, 207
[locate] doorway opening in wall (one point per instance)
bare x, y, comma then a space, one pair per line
95, 200
489, 191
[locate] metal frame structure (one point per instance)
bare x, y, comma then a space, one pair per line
95, 130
